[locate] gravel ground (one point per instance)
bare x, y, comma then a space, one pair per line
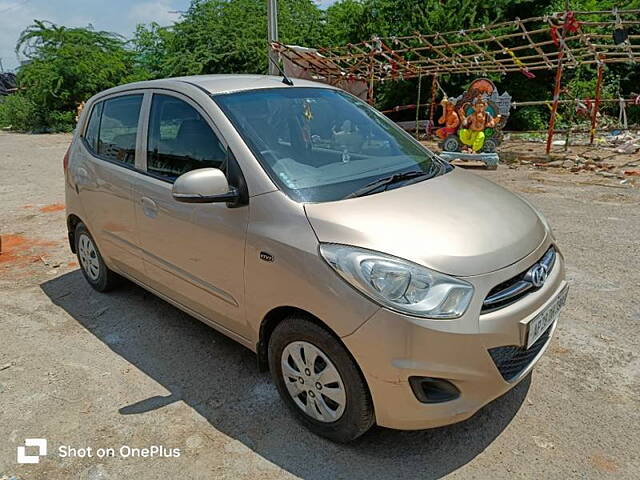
83, 369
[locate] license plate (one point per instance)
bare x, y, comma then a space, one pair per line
544, 319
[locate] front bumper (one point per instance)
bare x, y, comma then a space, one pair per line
391, 347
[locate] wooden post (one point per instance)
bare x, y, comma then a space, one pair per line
272, 34
554, 107
596, 105
418, 106
556, 89
433, 106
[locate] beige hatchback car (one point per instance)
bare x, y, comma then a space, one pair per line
377, 283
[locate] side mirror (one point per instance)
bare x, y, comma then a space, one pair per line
204, 185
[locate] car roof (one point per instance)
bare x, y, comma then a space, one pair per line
234, 83
218, 84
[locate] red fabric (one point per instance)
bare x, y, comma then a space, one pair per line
571, 25
445, 132
554, 36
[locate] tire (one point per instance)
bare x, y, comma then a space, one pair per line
451, 144
490, 145
93, 268
340, 422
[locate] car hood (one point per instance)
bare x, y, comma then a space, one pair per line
458, 223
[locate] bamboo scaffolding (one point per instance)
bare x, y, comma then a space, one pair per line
561, 41
488, 49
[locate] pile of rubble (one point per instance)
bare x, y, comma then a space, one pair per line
604, 169
626, 142
615, 156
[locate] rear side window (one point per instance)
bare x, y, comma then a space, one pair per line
117, 128
93, 127
180, 140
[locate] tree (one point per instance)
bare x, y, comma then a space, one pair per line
358, 20
229, 36
149, 45
66, 66
343, 23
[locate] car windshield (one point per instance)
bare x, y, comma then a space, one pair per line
322, 144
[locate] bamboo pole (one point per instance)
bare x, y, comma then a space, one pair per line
554, 106
432, 109
596, 106
556, 88
418, 107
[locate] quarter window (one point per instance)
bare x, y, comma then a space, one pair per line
118, 127
180, 140
93, 127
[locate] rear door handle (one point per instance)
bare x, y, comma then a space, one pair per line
149, 207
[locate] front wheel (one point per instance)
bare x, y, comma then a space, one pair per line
319, 381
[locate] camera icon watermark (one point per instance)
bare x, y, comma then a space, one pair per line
41, 443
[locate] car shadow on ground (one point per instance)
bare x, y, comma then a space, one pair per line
218, 378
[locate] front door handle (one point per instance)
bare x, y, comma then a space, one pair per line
149, 207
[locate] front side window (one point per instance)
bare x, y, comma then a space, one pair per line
180, 140
118, 127
322, 144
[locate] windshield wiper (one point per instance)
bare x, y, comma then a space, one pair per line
386, 181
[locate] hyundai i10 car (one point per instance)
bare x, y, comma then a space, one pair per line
377, 283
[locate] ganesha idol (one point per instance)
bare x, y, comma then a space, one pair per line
472, 123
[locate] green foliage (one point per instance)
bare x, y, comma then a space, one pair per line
67, 66
229, 36
343, 22
366, 18
149, 45
17, 112
529, 118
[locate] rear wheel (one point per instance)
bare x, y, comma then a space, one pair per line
93, 268
319, 381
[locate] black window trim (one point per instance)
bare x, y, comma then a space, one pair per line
98, 101
202, 111
144, 120
85, 127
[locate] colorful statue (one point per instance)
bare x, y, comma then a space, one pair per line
477, 123
449, 119
473, 121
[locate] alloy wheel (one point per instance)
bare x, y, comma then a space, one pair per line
88, 257
313, 382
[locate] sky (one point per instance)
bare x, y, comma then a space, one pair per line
120, 16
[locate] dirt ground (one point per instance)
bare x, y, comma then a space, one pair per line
84, 369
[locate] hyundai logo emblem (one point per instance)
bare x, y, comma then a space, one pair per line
537, 275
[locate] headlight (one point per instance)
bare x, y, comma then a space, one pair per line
399, 284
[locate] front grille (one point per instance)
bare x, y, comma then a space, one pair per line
512, 360
515, 288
